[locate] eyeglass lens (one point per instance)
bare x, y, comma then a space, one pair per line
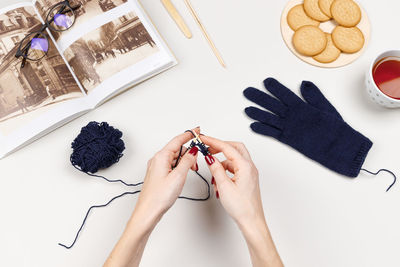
61, 17
37, 46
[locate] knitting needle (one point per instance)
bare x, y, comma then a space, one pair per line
173, 12
203, 29
197, 137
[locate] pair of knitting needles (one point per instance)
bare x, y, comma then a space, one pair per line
185, 29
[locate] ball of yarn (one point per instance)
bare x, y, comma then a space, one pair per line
98, 146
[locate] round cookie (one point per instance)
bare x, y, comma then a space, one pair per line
297, 18
325, 6
331, 52
349, 40
346, 12
309, 40
312, 9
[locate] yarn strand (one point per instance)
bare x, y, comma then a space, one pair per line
132, 193
383, 170
180, 155
108, 180
88, 212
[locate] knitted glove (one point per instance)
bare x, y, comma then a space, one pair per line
313, 127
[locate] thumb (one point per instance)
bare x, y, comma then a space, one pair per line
313, 95
218, 171
186, 162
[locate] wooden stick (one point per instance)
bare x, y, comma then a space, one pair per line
173, 12
203, 29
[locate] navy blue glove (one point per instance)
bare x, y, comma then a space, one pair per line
313, 127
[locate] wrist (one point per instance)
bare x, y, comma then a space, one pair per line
143, 220
259, 241
253, 227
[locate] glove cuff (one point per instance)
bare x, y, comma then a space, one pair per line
360, 158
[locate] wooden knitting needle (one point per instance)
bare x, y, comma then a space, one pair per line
203, 29
173, 12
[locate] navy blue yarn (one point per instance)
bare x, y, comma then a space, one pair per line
383, 170
99, 146
311, 126
88, 212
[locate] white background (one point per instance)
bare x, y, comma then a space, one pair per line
317, 218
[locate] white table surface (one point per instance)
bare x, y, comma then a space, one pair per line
317, 218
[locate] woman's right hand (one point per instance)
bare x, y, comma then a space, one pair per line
240, 195
241, 198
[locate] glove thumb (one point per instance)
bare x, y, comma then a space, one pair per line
313, 95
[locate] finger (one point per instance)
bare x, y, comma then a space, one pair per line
282, 92
175, 144
264, 117
313, 95
180, 153
229, 151
265, 100
215, 188
216, 191
227, 164
240, 147
186, 163
264, 129
218, 172
195, 167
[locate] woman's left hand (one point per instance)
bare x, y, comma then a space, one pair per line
162, 187
162, 184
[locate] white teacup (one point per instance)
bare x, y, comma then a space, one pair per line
373, 91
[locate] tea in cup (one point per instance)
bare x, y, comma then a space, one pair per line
383, 79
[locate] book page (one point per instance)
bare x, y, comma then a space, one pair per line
109, 49
110, 45
40, 87
87, 11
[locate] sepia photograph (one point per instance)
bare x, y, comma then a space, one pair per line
109, 49
39, 83
85, 10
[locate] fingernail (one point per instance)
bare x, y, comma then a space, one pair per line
193, 151
197, 167
212, 180
217, 194
210, 160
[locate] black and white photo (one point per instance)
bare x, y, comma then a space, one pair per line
109, 49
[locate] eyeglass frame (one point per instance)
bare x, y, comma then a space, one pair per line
23, 52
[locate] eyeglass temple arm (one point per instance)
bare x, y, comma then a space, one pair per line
25, 54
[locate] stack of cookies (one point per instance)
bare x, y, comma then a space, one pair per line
309, 40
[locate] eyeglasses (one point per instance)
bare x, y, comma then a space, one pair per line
35, 45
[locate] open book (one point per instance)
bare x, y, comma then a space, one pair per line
111, 46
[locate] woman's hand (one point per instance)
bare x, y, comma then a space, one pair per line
241, 198
239, 195
162, 186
